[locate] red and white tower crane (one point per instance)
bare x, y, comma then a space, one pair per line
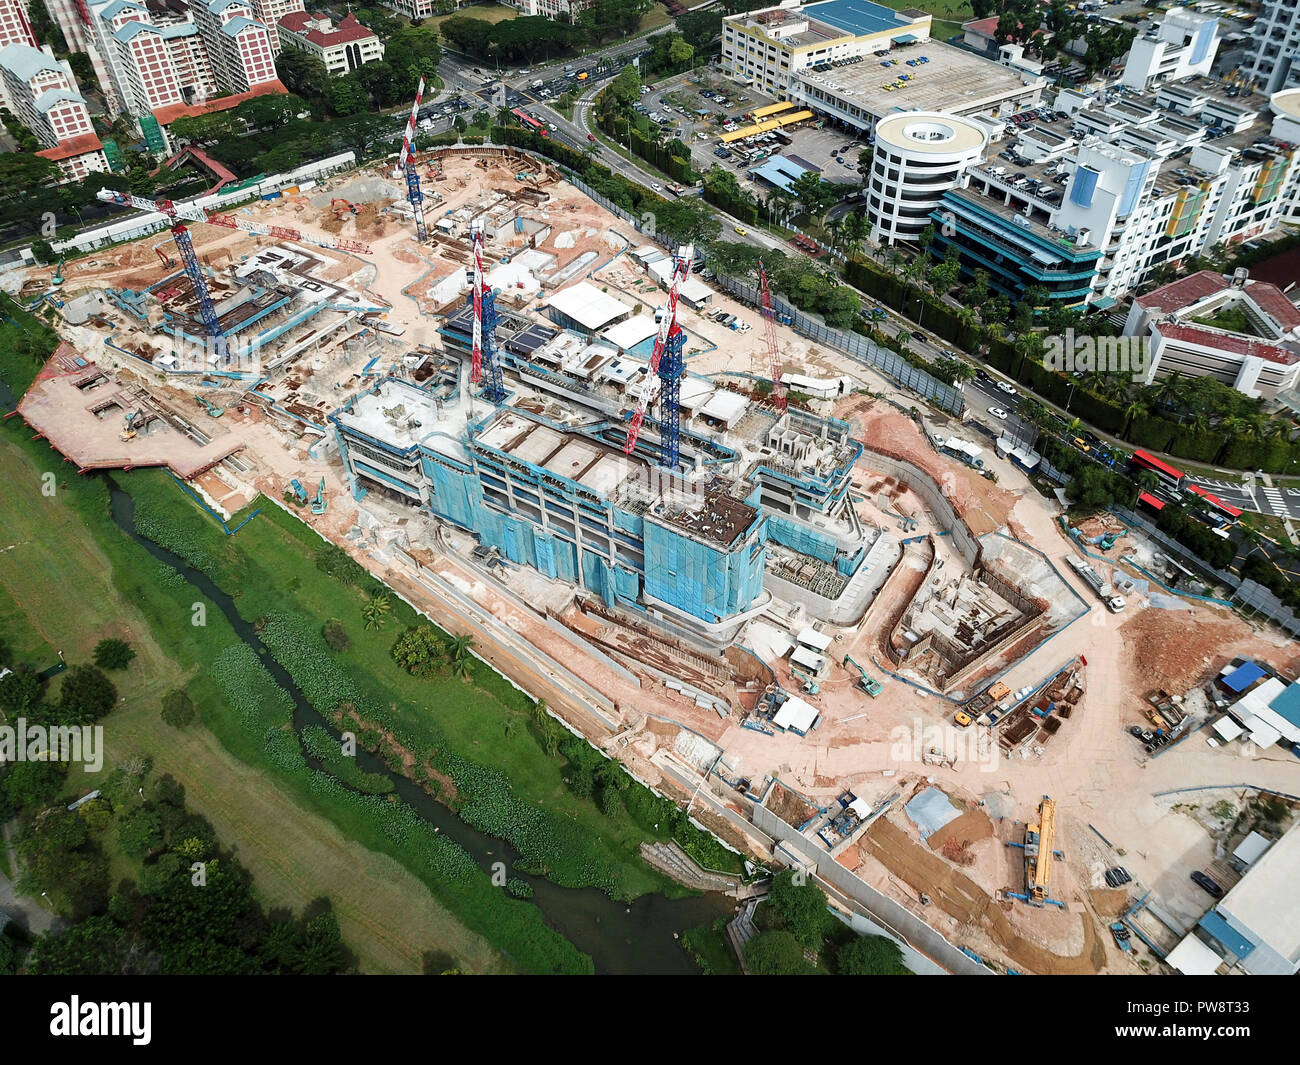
406, 166
484, 351
666, 362
773, 351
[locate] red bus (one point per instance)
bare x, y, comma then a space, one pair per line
1218, 504
1169, 477
529, 121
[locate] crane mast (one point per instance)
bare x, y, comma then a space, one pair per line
667, 363
414, 194
483, 301
773, 352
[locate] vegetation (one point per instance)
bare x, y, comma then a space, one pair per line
177, 708
871, 956
776, 953
113, 654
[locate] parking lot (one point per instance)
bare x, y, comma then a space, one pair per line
696, 108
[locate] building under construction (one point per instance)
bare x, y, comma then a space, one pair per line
543, 477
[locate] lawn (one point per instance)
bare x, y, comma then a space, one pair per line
57, 589
493, 13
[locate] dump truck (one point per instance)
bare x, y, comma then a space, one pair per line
985, 700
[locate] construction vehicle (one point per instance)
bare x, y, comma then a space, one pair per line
128, 429
57, 279
810, 686
1114, 603
1039, 839
300, 493
985, 702
866, 682
167, 261
346, 207
962, 719
213, 411
318, 504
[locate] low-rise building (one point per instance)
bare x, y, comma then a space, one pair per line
1241, 332
341, 48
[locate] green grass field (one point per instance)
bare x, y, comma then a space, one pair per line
57, 590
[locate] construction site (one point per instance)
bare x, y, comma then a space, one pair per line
538, 429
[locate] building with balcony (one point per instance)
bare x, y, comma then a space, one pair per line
42, 93
1273, 56
1182, 45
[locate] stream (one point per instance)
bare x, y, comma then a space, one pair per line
621, 938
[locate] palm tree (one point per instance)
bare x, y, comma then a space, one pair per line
458, 649
540, 714
1132, 412
835, 228
962, 372
375, 612
512, 726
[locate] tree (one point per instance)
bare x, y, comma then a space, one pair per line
376, 610
43, 252
347, 95
604, 20
95, 947
20, 690
459, 651
625, 89
21, 172
86, 695
140, 832
801, 907
775, 954
335, 635
419, 651
113, 653
177, 709
29, 785
680, 53
871, 956
472, 35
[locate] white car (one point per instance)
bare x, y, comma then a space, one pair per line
998, 413
657, 188
1010, 390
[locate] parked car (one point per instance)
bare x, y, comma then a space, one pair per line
998, 413
1203, 881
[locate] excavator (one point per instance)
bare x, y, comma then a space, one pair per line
128, 430
212, 409
318, 505
57, 279
866, 682
810, 686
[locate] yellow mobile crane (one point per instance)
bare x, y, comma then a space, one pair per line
1039, 839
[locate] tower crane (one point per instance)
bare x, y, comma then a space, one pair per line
483, 300
665, 361
406, 164
178, 214
773, 352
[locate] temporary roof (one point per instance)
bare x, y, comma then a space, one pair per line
1228, 729
796, 715
695, 291
1254, 709
818, 641
860, 807
1262, 734
725, 406
1250, 848
694, 392
632, 332
1243, 677
1287, 705
587, 305
1225, 935
1193, 958
808, 660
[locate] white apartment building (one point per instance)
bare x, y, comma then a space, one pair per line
1182, 45
14, 25
239, 45
341, 49
43, 94
1273, 55
412, 9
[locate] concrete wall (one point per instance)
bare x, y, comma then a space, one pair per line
932, 496
884, 912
